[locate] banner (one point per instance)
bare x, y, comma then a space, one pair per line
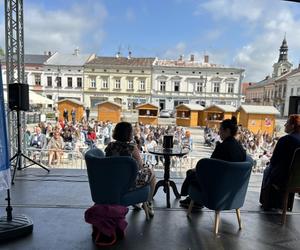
5, 178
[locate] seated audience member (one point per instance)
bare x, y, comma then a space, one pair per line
55, 146
123, 146
228, 150
187, 141
38, 140
91, 136
276, 174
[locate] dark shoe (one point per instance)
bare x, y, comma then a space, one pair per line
186, 202
137, 207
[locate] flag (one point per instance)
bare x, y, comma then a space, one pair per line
5, 177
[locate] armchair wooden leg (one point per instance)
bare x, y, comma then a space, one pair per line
190, 209
285, 204
238, 214
145, 206
217, 221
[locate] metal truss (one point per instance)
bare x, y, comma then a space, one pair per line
14, 52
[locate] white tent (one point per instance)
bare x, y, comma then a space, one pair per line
34, 98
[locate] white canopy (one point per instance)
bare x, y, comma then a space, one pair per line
34, 98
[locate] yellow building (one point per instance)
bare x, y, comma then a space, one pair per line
123, 80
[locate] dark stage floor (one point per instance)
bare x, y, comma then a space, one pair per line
56, 203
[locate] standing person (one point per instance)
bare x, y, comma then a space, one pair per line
276, 174
123, 146
73, 114
55, 146
66, 115
87, 113
228, 150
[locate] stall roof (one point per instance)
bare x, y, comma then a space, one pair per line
191, 106
72, 100
113, 103
257, 109
225, 108
144, 104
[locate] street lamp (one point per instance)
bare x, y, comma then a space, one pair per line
57, 82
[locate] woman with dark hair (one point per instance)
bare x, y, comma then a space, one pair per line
123, 146
276, 174
228, 150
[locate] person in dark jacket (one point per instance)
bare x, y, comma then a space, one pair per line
229, 150
276, 174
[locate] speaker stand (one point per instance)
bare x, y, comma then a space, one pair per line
18, 156
14, 227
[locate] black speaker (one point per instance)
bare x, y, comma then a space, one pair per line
18, 96
294, 105
168, 141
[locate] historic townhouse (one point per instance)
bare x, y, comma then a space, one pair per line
124, 80
293, 88
190, 81
273, 90
63, 75
34, 71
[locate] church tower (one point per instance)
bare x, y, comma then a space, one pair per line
283, 65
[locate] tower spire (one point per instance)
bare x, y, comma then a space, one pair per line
283, 51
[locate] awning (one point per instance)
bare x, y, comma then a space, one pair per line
34, 98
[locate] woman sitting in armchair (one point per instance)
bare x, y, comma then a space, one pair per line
123, 146
229, 150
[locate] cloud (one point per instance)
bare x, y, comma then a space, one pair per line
250, 10
175, 52
130, 15
264, 23
64, 29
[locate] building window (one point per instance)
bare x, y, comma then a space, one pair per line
162, 86
49, 81
37, 79
130, 84
142, 85
199, 86
230, 87
298, 91
69, 82
79, 82
58, 82
118, 84
216, 87
292, 91
104, 84
176, 86
93, 82
284, 90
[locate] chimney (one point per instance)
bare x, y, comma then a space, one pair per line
192, 58
49, 53
180, 58
129, 54
118, 54
76, 52
206, 58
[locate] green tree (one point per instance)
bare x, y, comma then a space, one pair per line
1, 52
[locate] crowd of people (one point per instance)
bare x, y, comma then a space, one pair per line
57, 137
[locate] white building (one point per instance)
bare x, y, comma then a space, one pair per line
63, 75
293, 88
189, 81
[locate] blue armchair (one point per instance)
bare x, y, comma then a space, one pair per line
111, 179
222, 186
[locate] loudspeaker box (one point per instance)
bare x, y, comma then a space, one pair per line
18, 96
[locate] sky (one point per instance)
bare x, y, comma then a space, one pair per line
237, 33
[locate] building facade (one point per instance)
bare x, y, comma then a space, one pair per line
293, 89
63, 75
188, 81
123, 80
273, 90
